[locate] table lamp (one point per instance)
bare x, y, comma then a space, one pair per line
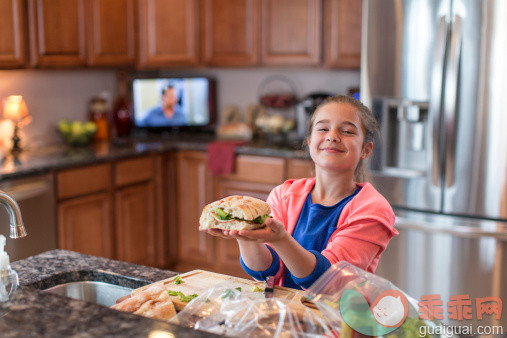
16, 111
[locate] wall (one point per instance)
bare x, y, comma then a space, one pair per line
52, 95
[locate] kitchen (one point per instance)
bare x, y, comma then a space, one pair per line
59, 86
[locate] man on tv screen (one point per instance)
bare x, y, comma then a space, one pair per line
168, 113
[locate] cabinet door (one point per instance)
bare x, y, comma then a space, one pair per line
85, 225
135, 224
57, 33
230, 32
342, 33
227, 251
12, 34
111, 33
195, 249
168, 33
291, 32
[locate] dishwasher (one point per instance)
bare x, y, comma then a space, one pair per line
36, 200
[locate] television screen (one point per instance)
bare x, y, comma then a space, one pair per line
172, 102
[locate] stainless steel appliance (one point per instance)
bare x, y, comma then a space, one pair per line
435, 73
35, 197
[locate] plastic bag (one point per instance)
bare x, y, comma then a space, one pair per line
338, 293
227, 312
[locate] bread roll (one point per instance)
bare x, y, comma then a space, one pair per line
242, 210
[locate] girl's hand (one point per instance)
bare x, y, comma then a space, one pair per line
216, 232
273, 232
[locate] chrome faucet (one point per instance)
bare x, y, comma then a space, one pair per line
16, 222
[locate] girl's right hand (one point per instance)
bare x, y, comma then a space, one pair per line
217, 233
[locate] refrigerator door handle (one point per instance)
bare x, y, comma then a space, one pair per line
451, 100
435, 102
455, 230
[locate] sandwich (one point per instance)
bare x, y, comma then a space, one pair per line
235, 213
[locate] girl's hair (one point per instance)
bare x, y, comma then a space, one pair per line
369, 125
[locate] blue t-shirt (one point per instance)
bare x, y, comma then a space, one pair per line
315, 226
155, 118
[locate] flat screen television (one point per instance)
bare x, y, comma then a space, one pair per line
186, 103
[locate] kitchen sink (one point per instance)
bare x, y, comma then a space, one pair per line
91, 291
94, 286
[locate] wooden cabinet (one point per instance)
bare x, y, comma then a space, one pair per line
73, 33
153, 34
291, 32
135, 224
12, 34
113, 210
194, 190
342, 33
297, 168
168, 33
135, 211
230, 32
85, 210
85, 225
111, 33
57, 32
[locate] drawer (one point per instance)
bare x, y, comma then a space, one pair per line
258, 169
133, 170
84, 180
297, 168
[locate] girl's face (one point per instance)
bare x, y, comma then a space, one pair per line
336, 141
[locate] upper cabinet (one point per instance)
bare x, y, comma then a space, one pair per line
168, 33
342, 33
111, 33
230, 32
12, 34
156, 34
72, 33
57, 32
291, 32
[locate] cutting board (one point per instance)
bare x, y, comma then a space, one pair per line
200, 281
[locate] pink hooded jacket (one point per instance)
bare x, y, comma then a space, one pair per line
365, 225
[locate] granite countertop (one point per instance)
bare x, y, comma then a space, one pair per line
34, 313
43, 160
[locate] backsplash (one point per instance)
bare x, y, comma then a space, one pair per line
52, 95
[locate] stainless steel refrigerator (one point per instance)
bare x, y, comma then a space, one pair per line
435, 74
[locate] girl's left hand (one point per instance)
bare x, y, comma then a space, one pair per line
273, 232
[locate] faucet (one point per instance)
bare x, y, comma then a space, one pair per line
16, 222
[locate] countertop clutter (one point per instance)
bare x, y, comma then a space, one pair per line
34, 313
60, 157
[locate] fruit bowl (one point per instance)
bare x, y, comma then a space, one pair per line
77, 133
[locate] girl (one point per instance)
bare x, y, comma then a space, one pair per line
319, 221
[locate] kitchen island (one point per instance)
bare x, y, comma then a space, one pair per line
34, 313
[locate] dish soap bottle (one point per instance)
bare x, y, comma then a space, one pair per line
8, 277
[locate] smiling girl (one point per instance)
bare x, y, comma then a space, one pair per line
331, 217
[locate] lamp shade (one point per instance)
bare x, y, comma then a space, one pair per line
15, 108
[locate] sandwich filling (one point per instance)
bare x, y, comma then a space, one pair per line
221, 215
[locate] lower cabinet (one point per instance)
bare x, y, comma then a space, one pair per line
135, 224
146, 209
196, 250
111, 210
85, 225
297, 168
